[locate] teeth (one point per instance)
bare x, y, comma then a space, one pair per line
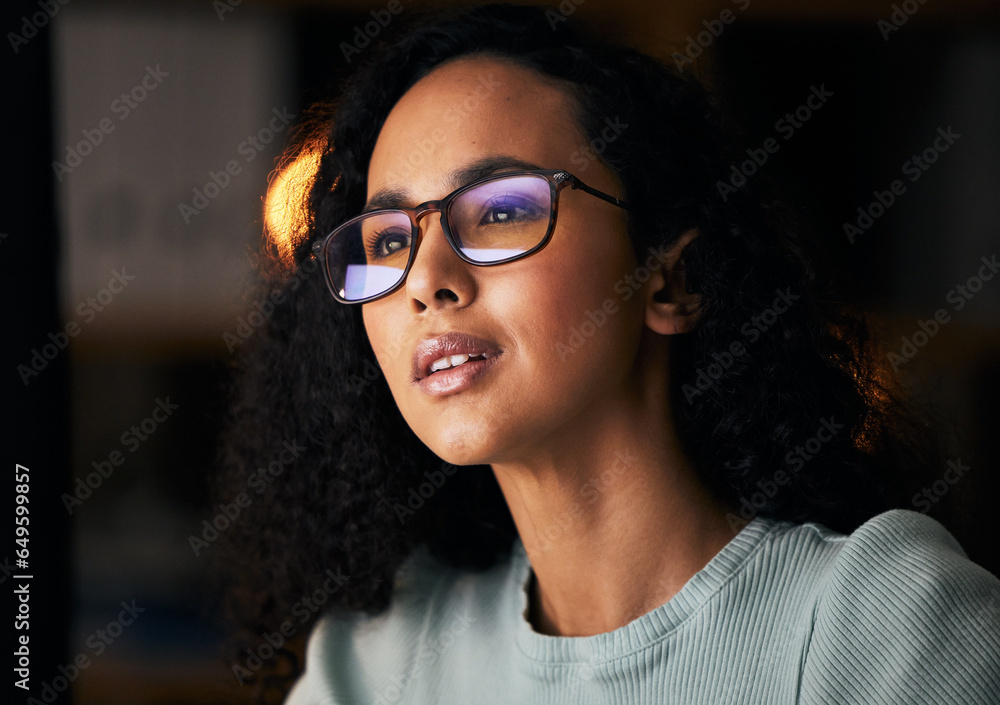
453, 361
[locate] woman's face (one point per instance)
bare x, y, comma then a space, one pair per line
544, 385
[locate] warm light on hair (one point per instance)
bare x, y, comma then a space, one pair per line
286, 218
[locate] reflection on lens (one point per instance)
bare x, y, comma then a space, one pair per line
368, 256
502, 218
364, 280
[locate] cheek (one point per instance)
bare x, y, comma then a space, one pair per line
387, 352
576, 323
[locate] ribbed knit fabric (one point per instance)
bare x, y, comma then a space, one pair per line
784, 613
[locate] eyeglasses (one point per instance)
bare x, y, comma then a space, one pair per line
498, 219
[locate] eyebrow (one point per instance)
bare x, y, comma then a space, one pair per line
400, 197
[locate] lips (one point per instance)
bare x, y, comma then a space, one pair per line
427, 351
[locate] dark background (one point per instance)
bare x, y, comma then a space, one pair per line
162, 336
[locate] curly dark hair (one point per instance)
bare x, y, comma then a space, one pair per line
309, 377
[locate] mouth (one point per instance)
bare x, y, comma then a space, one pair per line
452, 362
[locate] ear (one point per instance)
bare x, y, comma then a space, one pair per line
669, 308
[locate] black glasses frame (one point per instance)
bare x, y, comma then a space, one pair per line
558, 179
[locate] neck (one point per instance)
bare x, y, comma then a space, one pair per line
613, 526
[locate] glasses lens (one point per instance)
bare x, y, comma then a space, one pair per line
368, 257
501, 219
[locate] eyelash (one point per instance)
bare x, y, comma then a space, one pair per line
372, 249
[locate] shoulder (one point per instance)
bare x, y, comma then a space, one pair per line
904, 560
351, 656
904, 616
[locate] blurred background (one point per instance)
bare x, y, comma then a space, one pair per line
140, 141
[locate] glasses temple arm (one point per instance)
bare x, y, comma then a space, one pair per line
577, 184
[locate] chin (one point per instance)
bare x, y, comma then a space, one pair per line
461, 445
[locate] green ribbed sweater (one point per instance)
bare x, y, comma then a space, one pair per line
784, 613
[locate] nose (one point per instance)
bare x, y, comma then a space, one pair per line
438, 274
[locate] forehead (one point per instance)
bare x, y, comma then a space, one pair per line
463, 111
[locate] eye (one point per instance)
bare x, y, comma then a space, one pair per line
509, 209
388, 242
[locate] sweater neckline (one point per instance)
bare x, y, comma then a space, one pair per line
642, 631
